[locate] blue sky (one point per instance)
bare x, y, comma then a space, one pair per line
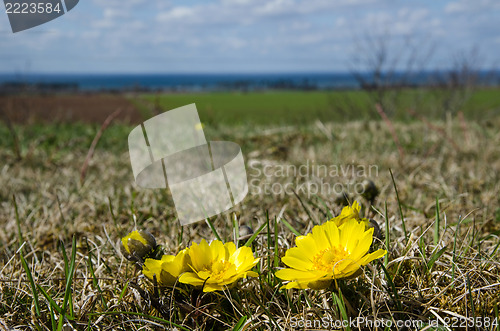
136, 36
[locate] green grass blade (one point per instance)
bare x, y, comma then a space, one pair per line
422, 248
471, 299
400, 208
252, 238
435, 257
52, 318
65, 258
67, 302
180, 236
32, 284
493, 252
240, 324
290, 227
124, 290
328, 211
339, 299
212, 227
276, 257
437, 223
308, 212
66, 270
51, 301
394, 293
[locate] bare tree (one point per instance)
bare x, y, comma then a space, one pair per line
383, 65
457, 84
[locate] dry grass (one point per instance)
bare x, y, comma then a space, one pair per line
435, 272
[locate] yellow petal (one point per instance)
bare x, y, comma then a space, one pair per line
209, 287
300, 254
242, 258
296, 263
349, 270
299, 285
307, 244
292, 274
230, 249
332, 232
373, 256
152, 267
218, 250
349, 234
319, 235
201, 256
363, 245
191, 278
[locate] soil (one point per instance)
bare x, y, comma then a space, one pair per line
86, 108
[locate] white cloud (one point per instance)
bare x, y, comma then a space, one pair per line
470, 6
178, 14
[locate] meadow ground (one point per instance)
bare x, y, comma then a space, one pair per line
441, 230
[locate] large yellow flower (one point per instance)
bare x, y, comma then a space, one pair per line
329, 252
218, 265
167, 269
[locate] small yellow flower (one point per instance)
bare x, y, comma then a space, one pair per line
329, 252
137, 244
351, 212
218, 265
348, 212
168, 269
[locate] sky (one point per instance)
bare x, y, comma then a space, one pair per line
253, 36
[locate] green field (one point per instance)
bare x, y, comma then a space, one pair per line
295, 107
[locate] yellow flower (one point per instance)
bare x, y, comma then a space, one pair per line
329, 252
218, 265
350, 212
167, 269
137, 244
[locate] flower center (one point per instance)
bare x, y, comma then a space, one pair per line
328, 258
219, 268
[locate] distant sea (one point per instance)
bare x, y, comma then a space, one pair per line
187, 82
199, 82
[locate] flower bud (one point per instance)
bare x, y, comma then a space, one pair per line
137, 245
245, 231
342, 199
370, 190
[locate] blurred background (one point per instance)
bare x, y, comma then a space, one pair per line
159, 52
